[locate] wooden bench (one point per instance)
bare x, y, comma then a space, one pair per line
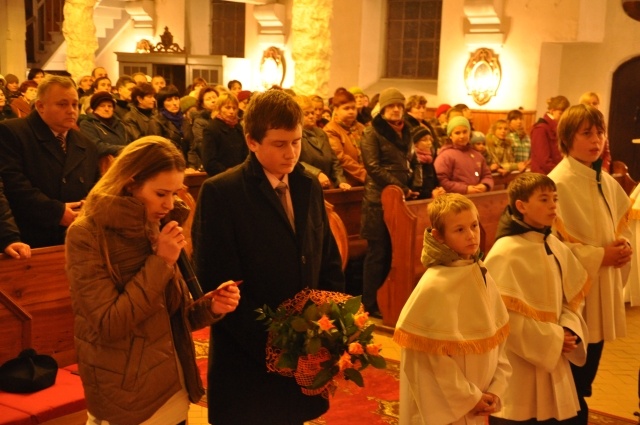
348, 206
35, 311
407, 222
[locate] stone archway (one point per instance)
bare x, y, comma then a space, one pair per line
624, 116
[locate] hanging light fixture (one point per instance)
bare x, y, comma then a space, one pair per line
482, 75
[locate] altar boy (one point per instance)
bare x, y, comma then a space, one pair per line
543, 286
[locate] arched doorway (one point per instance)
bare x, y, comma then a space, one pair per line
624, 116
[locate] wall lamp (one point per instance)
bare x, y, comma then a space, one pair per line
482, 75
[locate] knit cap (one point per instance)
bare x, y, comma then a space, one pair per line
390, 96
418, 133
477, 137
442, 109
355, 90
187, 102
457, 122
100, 97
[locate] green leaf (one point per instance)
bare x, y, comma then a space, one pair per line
311, 313
313, 345
355, 376
378, 362
287, 361
321, 379
352, 305
299, 324
367, 332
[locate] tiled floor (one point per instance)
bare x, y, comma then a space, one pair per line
615, 389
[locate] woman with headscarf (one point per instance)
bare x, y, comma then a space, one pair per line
103, 127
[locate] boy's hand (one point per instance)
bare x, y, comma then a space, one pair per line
570, 341
488, 404
617, 254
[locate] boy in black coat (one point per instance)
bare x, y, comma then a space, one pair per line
242, 231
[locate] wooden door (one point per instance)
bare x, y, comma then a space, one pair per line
624, 116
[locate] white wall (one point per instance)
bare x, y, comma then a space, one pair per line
13, 57
590, 66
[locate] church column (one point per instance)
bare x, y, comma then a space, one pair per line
79, 32
13, 57
311, 46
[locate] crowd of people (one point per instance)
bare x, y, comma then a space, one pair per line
98, 166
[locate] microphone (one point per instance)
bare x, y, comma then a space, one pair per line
188, 274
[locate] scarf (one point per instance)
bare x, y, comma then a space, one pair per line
146, 112
230, 122
424, 157
176, 119
436, 253
397, 126
106, 121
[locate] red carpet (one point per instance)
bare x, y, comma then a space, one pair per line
375, 404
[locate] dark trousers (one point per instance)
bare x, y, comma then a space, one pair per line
377, 264
502, 421
584, 376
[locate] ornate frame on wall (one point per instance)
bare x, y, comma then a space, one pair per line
482, 75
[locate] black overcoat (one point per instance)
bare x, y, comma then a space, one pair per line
241, 232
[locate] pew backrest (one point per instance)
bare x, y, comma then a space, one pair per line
35, 306
406, 222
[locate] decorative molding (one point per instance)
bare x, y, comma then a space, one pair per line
142, 12
485, 24
271, 23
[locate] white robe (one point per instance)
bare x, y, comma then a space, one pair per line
544, 294
452, 332
632, 290
591, 222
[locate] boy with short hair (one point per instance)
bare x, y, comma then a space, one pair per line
453, 328
263, 222
543, 286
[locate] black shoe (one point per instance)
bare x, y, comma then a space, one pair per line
375, 314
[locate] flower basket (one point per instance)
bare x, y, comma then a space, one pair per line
319, 336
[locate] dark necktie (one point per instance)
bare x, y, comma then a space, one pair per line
63, 142
281, 190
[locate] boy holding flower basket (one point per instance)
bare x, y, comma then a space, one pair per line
278, 244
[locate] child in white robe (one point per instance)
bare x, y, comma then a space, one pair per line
453, 328
543, 286
593, 208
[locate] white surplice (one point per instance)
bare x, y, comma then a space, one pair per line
452, 331
593, 216
544, 293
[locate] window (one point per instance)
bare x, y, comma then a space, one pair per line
227, 28
413, 38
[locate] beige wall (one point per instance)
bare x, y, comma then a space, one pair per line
13, 57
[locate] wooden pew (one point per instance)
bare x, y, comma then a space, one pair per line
407, 222
35, 311
348, 206
193, 182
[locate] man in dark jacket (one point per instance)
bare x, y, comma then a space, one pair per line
388, 156
243, 231
47, 166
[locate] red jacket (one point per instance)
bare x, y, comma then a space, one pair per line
545, 152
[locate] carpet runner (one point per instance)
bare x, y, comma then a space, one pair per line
375, 404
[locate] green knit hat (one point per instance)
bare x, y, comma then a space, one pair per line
457, 122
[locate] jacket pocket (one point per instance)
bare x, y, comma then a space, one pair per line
133, 365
